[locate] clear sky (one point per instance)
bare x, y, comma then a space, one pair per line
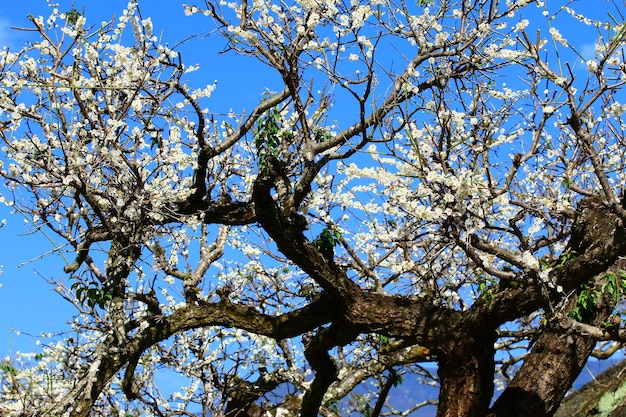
27, 303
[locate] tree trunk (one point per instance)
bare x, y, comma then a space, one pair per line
466, 369
552, 366
548, 372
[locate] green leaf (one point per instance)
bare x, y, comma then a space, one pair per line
8, 368
586, 303
91, 293
383, 340
397, 380
72, 16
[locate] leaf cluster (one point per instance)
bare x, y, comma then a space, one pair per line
267, 137
92, 293
72, 16
614, 287
327, 240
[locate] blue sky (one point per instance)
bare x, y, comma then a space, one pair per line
27, 303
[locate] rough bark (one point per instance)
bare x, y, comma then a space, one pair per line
466, 368
548, 372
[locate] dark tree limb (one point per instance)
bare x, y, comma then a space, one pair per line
392, 380
316, 352
244, 393
287, 233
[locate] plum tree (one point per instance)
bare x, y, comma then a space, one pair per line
433, 182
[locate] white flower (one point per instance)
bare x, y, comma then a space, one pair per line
556, 35
592, 65
560, 81
544, 275
521, 25
614, 60
529, 260
189, 10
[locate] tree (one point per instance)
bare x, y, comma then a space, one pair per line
434, 181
